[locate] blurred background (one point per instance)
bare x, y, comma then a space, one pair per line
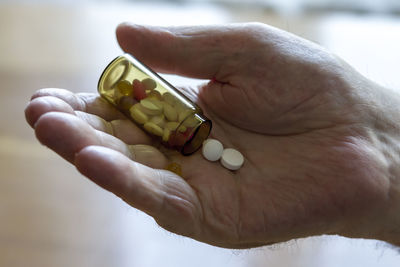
50, 215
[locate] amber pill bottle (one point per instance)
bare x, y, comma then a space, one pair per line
154, 105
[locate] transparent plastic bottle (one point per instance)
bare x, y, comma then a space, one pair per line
154, 104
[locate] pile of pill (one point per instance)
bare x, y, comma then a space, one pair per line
160, 114
230, 158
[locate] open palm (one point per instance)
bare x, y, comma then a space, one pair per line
285, 103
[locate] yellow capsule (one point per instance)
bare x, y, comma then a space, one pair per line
125, 88
175, 168
153, 128
137, 114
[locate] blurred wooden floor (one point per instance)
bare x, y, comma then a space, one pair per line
52, 216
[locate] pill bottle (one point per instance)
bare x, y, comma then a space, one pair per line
153, 104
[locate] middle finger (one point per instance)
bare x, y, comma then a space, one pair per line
123, 129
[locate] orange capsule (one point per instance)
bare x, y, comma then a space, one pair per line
138, 89
175, 168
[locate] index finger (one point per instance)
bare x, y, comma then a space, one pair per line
86, 102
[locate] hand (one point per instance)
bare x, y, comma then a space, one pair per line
319, 139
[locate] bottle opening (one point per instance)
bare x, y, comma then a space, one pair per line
194, 143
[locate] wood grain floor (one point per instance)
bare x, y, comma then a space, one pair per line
52, 216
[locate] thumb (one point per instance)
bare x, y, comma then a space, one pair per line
196, 51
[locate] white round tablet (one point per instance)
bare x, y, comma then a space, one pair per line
232, 159
212, 149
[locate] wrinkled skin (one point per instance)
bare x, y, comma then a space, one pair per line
319, 139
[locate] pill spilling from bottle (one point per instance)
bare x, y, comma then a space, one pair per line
230, 158
212, 149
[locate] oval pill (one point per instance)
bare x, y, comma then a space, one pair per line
138, 115
153, 128
232, 159
212, 149
170, 113
157, 102
149, 107
169, 98
158, 120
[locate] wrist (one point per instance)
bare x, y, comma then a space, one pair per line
383, 124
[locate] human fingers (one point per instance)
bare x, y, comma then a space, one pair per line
66, 134
41, 105
123, 129
161, 194
86, 102
196, 51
